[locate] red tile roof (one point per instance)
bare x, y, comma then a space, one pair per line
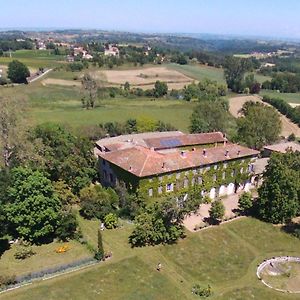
185, 140
144, 162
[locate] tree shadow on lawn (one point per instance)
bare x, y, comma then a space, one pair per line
4, 245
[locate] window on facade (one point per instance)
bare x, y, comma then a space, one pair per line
150, 192
193, 181
223, 175
242, 170
215, 167
159, 189
185, 183
111, 177
233, 173
200, 170
208, 168
169, 187
177, 175
194, 172
225, 165
214, 177
186, 173
150, 180
160, 178
200, 180
105, 175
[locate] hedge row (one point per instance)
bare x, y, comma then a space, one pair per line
293, 113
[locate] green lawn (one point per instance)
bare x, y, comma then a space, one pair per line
63, 105
225, 257
45, 257
200, 72
289, 97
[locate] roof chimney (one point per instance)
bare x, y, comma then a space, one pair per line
239, 152
163, 165
204, 152
130, 168
226, 153
194, 149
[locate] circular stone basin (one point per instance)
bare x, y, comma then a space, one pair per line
281, 273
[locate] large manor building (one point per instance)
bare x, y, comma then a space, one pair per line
158, 163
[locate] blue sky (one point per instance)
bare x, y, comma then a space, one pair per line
277, 18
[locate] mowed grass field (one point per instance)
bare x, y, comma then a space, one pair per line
288, 97
225, 257
62, 104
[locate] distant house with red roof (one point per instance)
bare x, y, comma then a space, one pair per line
159, 163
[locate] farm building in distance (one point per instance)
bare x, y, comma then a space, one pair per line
158, 163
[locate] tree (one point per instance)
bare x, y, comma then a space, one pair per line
209, 116
127, 86
259, 126
160, 89
245, 202
279, 194
17, 72
234, 71
100, 250
67, 226
90, 89
217, 211
97, 202
12, 128
68, 158
158, 223
33, 211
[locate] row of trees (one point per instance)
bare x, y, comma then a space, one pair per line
293, 113
283, 82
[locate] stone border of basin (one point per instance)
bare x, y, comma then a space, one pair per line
266, 262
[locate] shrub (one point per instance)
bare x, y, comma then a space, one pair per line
111, 221
6, 280
245, 202
24, 252
202, 291
217, 211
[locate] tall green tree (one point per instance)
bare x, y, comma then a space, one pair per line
90, 90
17, 72
234, 72
160, 89
259, 126
68, 158
33, 211
279, 195
209, 116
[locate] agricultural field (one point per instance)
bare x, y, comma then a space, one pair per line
35, 59
62, 104
226, 257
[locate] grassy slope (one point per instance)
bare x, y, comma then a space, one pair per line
226, 257
289, 97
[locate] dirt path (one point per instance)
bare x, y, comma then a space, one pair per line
236, 103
